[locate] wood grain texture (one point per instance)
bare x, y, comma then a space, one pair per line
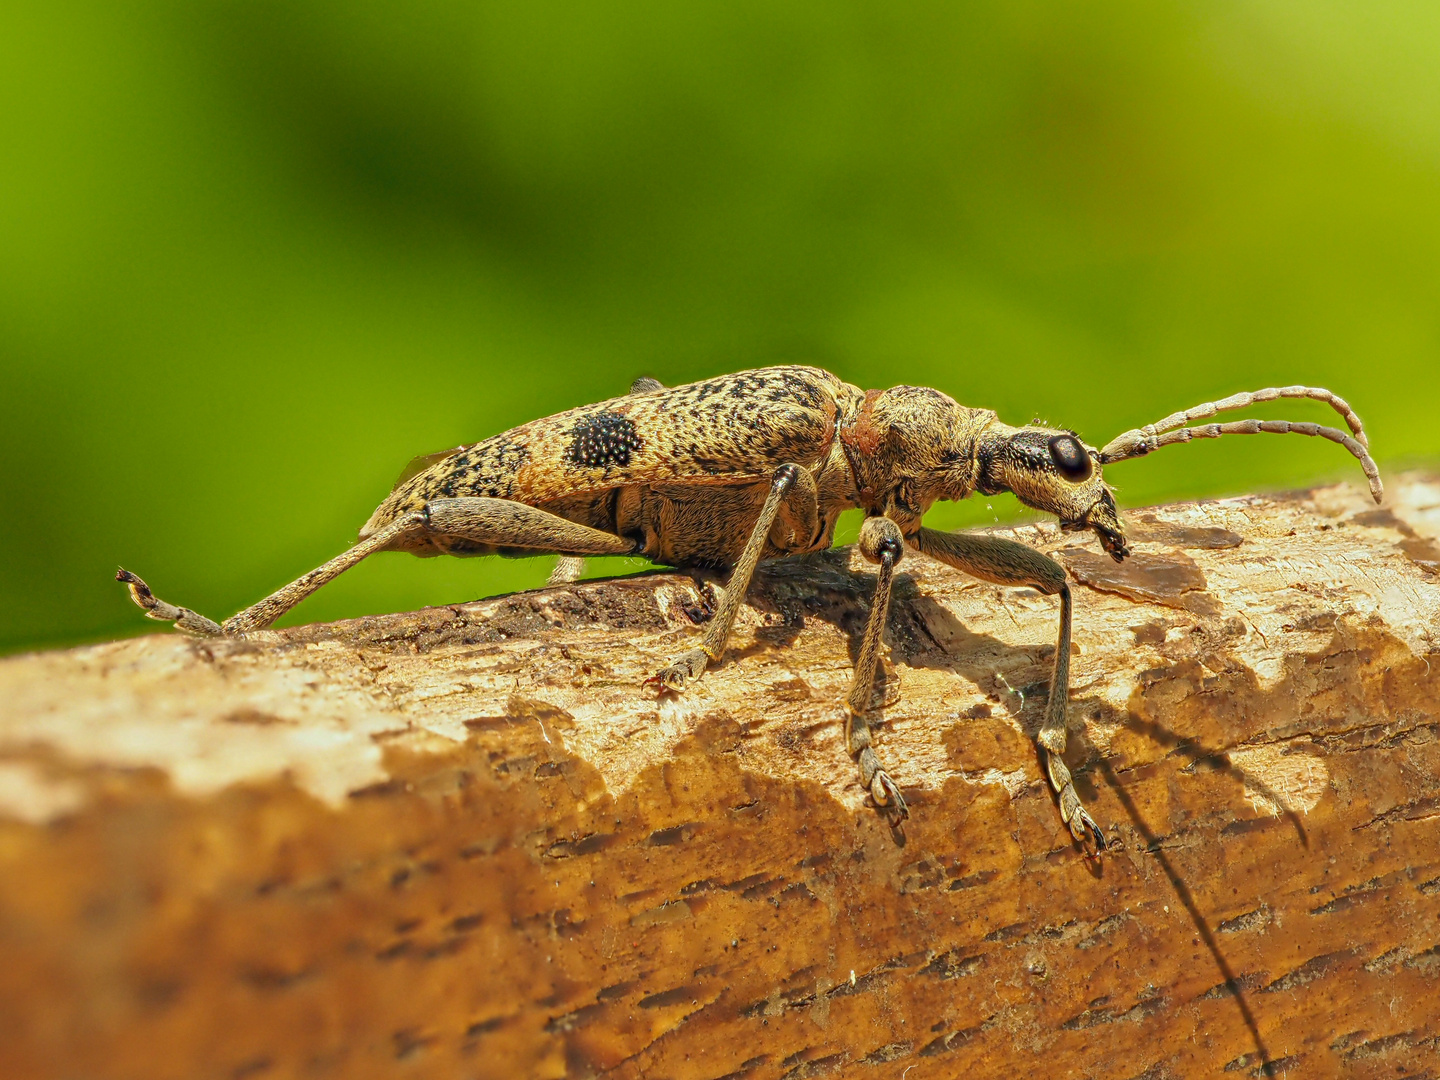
465, 842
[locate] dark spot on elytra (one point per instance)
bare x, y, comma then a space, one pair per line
602, 439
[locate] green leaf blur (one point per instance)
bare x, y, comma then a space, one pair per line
256, 256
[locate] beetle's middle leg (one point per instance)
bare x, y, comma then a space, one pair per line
881, 542
1005, 562
792, 490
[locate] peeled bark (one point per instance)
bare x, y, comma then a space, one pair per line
466, 842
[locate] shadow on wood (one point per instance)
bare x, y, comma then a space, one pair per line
464, 842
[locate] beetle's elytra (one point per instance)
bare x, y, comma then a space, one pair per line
728, 471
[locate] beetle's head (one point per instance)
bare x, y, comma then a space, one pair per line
1055, 472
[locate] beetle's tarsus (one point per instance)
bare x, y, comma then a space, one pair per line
686, 669
883, 791
162, 611
1072, 811
1100, 844
1091, 839
886, 795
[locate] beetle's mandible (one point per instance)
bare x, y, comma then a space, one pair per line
728, 471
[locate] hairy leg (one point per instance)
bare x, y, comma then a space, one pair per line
485, 521
1007, 563
568, 568
880, 542
792, 488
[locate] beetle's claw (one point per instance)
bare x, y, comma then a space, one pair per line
684, 670
1092, 840
887, 797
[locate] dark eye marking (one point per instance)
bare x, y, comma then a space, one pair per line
1071, 458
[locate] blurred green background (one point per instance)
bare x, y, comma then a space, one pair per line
256, 256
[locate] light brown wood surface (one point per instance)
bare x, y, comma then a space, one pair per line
465, 842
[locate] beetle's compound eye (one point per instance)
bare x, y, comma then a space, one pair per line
1071, 458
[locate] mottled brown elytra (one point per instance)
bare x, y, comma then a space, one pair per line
726, 472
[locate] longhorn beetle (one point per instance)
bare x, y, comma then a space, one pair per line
726, 472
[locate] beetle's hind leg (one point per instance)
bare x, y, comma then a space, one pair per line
262, 614
494, 523
791, 489
881, 542
1005, 562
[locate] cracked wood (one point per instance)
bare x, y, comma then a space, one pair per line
464, 841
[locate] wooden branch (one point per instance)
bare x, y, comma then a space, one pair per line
466, 842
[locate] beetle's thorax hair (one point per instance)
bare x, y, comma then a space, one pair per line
910, 446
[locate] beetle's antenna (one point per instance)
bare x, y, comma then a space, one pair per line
1141, 441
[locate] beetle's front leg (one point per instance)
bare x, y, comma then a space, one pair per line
1052, 740
1005, 562
791, 487
881, 542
